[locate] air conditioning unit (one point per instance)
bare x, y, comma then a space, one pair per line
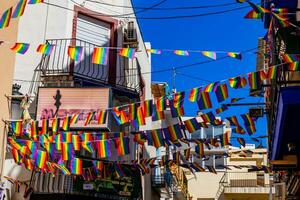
130, 35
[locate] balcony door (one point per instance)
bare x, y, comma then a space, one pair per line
90, 33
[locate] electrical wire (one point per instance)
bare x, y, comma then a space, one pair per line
156, 18
172, 8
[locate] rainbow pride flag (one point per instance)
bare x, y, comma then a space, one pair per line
199, 149
17, 157
55, 125
178, 99
258, 8
102, 117
20, 48
40, 159
89, 118
161, 103
66, 123
204, 101
45, 49
294, 66
75, 52
211, 87
282, 21
194, 94
289, 58
148, 108
176, 112
233, 121
66, 151
253, 15
149, 138
132, 113
28, 164
250, 130
118, 170
5, 19
210, 54
139, 138
157, 137
157, 115
254, 80
99, 165
235, 55
17, 128
74, 118
237, 82
239, 130
127, 52
181, 52
122, 145
34, 130
222, 109
221, 93
103, 147
208, 117
154, 51
192, 125
35, 1
20, 8
248, 120
225, 139
76, 142
173, 133
88, 146
100, 56
140, 116
76, 166
241, 141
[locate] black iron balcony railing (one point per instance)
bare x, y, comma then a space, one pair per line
121, 74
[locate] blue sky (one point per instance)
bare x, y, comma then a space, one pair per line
223, 32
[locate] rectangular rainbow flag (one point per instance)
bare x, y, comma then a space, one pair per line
250, 130
273, 72
161, 103
122, 145
35, 1
221, 92
76, 142
45, 49
248, 120
103, 147
181, 53
194, 94
89, 118
208, 117
157, 115
127, 52
88, 146
239, 130
55, 125
235, 55
294, 66
118, 170
75, 118
132, 113
157, 137
99, 165
176, 112
20, 8
173, 133
140, 116
28, 164
66, 151
17, 157
17, 128
237, 82
225, 139
20, 48
148, 108
222, 109
149, 138
289, 58
211, 87
210, 54
102, 117
140, 138
100, 56
5, 19
34, 127
204, 101
76, 166
178, 99
75, 52
192, 125
254, 80
199, 149
40, 159
258, 8
233, 121
154, 51
66, 123
253, 15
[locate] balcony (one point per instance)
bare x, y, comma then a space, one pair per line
57, 68
47, 186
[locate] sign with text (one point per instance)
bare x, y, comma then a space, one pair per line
69, 101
